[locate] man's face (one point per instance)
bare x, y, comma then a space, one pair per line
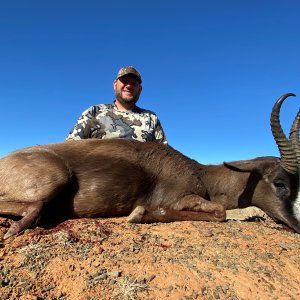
127, 89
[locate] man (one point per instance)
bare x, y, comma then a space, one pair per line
122, 118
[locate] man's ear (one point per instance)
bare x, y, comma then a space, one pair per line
115, 84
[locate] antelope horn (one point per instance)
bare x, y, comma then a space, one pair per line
287, 153
294, 136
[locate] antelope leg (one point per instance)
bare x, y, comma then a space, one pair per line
30, 216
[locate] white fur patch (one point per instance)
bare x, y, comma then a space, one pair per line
296, 207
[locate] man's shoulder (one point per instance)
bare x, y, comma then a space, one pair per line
96, 109
144, 111
103, 106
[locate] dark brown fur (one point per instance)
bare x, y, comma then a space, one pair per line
148, 181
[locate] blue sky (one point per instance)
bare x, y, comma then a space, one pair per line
211, 70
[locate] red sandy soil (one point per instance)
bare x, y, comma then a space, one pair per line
112, 259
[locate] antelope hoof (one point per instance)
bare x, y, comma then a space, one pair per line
136, 215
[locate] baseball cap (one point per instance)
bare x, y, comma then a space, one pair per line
129, 70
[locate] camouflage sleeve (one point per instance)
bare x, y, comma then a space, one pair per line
82, 128
159, 133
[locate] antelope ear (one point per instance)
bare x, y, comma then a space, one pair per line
241, 166
257, 165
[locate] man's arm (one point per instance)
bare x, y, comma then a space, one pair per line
159, 133
82, 128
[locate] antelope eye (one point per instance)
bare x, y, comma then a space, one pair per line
281, 189
279, 184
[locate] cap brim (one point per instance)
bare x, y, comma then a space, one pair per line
133, 75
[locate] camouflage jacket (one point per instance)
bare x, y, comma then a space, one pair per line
105, 121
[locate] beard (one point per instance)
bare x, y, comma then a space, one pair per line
127, 100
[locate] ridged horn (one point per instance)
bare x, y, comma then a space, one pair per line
287, 153
294, 136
